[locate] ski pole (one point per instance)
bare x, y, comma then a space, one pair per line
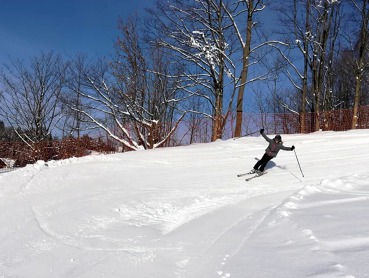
298, 163
248, 134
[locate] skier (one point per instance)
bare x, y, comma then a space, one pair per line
271, 151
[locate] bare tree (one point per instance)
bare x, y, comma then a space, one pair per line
30, 100
324, 31
296, 31
360, 49
252, 7
217, 40
132, 98
74, 120
314, 26
198, 35
344, 84
151, 85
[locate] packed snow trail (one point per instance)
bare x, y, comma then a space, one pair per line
182, 212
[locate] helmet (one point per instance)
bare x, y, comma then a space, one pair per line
278, 138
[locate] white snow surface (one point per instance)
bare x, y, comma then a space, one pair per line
183, 212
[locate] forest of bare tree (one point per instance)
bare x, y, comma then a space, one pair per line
190, 71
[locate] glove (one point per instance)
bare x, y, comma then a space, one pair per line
261, 130
292, 148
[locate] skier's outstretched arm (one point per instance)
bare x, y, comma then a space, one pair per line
288, 148
265, 137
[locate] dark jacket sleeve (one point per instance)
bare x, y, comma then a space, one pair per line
286, 148
267, 138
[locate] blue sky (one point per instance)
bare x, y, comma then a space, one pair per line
28, 27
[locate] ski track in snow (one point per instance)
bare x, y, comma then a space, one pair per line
338, 187
289, 211
219, 228
227, 244
165, 216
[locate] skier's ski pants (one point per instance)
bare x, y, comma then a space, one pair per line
260, 165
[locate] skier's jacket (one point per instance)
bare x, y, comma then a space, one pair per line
274, 147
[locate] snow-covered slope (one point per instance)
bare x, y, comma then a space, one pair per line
183, 212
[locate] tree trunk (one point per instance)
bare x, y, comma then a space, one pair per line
244, 73
356, 102
217, 131
358, 77
363, 45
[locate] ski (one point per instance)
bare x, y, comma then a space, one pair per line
255, 176
245, 174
